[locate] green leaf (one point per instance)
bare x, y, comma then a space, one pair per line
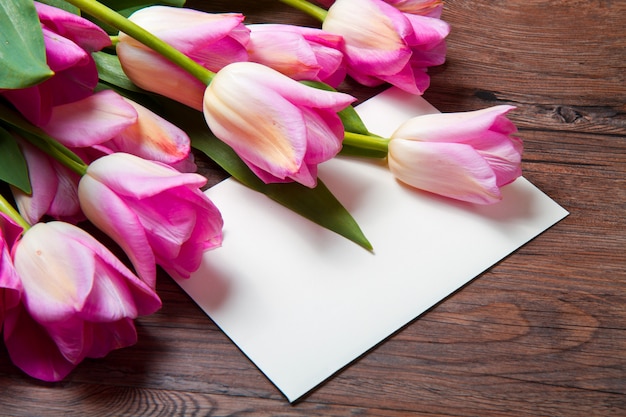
13, 168
22, 50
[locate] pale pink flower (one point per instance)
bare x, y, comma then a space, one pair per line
383, 44
111, 123
299, 52
467, 156
213, 40
69, 41
77, 301
155, 213
281, 128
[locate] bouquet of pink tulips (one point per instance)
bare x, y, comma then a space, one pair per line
98, 123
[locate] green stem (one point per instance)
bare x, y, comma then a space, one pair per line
7, 208
112, 18
308, 8
358, 140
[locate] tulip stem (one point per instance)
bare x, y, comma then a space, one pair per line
308, 8
359, 140
112, 18
9, 210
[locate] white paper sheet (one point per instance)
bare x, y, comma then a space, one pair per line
302, 302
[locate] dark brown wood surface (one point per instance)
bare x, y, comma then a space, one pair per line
542, 333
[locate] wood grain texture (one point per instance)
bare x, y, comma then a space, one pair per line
542, 333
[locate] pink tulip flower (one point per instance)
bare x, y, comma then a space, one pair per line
467, 156
155, 213
279, 127
111, 123
299, 52
10, 286
77, 301
382, 44
69, 41
54, 189
212, 40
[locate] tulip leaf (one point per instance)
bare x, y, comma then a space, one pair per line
13, 168
22, 50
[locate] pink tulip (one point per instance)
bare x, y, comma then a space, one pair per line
155, 213
111, 123
212, 40
280, 128
467, 156
10, 286
382, 44
77, 301
54, 189
299, 52
69, 41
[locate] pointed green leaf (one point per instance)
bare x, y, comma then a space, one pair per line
13, 169
22, 50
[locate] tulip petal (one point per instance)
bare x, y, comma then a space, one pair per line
131, 176
122, 225
448, 169
270, 137
93, 120
109, 336
144, 67
31, 349
44, 183
57, 280
152, 137
81, 31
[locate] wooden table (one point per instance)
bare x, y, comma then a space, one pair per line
541, 333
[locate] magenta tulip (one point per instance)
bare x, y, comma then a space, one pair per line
383, 44
281, 128
467, 156
155, 213
77, 301
69, 41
